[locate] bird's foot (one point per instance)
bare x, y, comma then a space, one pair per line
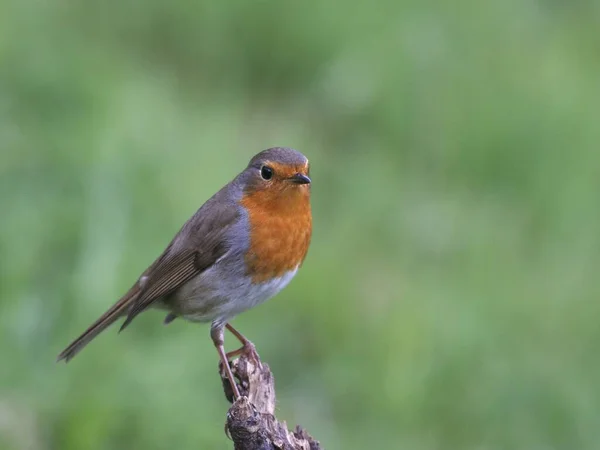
249, 351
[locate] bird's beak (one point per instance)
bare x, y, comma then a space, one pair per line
300, 178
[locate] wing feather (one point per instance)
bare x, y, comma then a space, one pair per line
204, 245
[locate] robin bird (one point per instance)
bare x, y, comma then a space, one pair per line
239, 249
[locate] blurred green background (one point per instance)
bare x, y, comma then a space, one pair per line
450, 296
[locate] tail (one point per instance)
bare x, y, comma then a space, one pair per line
116, 311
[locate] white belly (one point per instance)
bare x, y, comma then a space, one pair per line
216, 295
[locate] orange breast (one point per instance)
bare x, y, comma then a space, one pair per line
280, 231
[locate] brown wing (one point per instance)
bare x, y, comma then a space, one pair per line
195, 248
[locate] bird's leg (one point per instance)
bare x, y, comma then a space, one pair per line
247, 347
217, 335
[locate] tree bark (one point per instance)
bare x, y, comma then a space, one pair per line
251, 423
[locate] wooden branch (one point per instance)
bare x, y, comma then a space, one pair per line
251, 423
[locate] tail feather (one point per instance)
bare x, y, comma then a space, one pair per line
116, 311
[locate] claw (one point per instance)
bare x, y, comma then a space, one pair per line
247, 349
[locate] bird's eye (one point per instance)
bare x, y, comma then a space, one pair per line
266, 172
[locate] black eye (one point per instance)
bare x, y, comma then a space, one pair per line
266, 172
